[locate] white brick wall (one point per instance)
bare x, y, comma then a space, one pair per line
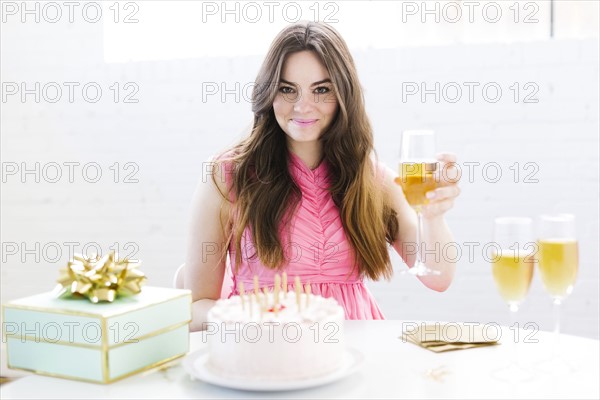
171, 131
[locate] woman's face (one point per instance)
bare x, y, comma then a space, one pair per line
305, 104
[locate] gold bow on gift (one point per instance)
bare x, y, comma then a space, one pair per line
100, 278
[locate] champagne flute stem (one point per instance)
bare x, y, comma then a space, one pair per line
418, 262
556, 312
513, 321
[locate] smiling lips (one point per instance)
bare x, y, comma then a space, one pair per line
304, 122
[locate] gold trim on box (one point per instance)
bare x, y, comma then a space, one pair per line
152, 334
156, 364
104, 360
105, 350
106, 380
106, 372
87, 314
104, 347
28, 338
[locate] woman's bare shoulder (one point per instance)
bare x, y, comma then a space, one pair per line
221, 167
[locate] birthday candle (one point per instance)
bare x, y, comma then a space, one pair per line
297, 286
256, 289
307, 291
285, 287
266, 299
276, 294
250, 303
259, 305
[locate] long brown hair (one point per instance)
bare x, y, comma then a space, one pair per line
265, 192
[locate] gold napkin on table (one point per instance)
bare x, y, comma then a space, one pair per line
439, 337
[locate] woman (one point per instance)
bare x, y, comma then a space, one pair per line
302, 193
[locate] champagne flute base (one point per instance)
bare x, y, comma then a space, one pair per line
513, 373
556, 366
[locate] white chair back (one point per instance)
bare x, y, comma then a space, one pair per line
178, 277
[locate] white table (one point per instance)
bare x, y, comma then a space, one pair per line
391, 369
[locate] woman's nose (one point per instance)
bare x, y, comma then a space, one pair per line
304, 102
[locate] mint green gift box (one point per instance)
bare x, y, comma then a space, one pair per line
103, 342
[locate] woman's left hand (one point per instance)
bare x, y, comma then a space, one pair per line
442, 198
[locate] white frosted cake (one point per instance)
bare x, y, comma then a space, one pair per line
300, 337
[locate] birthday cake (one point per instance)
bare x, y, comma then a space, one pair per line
275, 336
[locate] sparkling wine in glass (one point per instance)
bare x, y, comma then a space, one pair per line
512, 274
558, 262
512, 269
417, 168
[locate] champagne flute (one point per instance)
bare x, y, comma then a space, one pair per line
558, 262
417, 170
512, 269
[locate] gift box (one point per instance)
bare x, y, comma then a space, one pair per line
97, 342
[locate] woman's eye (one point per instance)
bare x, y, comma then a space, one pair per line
322, 90
286, 90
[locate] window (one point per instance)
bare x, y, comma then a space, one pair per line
191, 29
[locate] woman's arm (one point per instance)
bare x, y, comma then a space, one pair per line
436, 233
204, 271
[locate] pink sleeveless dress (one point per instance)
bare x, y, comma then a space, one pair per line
317, 248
